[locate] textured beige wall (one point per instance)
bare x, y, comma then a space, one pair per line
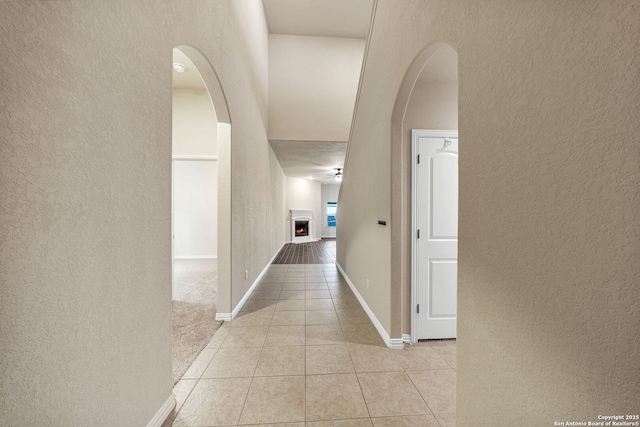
256, 181
278, 199
85, 153
549, 199
432, 106
362, 244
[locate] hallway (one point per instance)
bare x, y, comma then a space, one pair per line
303, 350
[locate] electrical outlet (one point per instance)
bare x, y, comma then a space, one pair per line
367, 283
246, 274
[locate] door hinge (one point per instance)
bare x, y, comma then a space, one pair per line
418, 234
418, 158
418, 309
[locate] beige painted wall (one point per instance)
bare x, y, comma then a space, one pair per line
312, 86
549, 195
194, 123
252, 41
258, 182
279, 202
302, 194
432, 106
85, 325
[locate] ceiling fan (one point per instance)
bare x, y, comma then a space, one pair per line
337, 176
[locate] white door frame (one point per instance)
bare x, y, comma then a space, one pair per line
414, 220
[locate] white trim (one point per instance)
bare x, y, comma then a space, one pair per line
163, 413
223, 317
414, 240
197, 257
414, 219
194, 157
406, 338
301, 214
227, 317
246, 296
393, 343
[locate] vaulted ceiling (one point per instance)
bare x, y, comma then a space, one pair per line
315, 58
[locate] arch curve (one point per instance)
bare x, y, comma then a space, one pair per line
211, 81
410, 79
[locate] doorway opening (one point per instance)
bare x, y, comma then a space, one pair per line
427, 99
199, 221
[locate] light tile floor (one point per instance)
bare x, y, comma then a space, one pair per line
303, 353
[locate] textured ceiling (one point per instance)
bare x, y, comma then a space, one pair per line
310, 159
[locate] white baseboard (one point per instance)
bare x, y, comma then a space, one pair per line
197, 257
164, 411
223, 317
230, 316
193, 157
394, 343
406, 338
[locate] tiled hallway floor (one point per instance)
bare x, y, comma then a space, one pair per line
302, 352
322, 251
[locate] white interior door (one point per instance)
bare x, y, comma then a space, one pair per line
436, 233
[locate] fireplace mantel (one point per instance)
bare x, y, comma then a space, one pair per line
301, 214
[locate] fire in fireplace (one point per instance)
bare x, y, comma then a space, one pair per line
302, 228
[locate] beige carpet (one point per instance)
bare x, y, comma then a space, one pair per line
195, 292
193, 328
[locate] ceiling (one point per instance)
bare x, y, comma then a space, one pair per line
310, 159
319, 18
190, 79
323, 18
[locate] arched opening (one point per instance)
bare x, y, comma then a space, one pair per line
428, 100
200, 205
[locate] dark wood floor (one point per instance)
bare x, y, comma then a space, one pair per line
320, 252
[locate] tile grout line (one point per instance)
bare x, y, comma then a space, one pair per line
341, 324
254, 371
425, 400
197, 379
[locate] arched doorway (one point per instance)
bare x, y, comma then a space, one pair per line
427, 99
200, 204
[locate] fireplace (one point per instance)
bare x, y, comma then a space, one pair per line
301, 226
